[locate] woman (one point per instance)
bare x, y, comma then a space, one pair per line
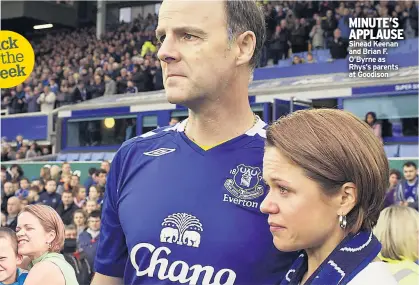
45, 174
95, 194
326, 191
371, 120
394, 179
80, 221
79, 194
40, 234
397, 230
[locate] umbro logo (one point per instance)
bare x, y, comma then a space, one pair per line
159, 151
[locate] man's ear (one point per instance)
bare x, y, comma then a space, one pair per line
246, 43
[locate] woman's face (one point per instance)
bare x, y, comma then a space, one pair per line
82, 194
93, 193
300, 215
393, 180
79, 219
32, 238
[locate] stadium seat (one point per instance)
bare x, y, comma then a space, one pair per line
109, 156
409, 150
73, 156
85, 156
61, 157
392, 150
98, 156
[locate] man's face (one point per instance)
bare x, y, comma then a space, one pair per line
102, 179
195, 55
409, 173
8, 188
105, 165
70, 234
13, 206
51, 186
94, 223
67, 198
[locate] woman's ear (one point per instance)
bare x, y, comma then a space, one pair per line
51, 236
348, 198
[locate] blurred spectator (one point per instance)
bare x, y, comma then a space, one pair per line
66, 168
298, 37
338, 46
79, 194
8, 193
394, 179
32, 100
23, 192
91, 206
131, 88
106, 165
329, 25
80, 221
371, 120
95, 194
47, 100
50, 197
280, 43
67, 207
90, 179
310, 58
410, 18
296, 60
407, 190
33, 196
110, 85
101, 179
14, 173
13, 209
89, 239
32, 152
397, 230
64, 184
317, 35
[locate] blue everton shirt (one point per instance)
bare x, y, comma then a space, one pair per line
176, 214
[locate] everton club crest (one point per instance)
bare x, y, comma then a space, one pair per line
245, 182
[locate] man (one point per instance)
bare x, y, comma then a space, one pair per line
407, 190
88, 240
182, 202
67, 207
8, 192
101, 178
13, 209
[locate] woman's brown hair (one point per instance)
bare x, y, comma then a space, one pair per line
334, 147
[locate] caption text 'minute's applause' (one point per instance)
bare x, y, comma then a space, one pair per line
370, 41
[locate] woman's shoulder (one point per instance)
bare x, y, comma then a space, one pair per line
45, 272
375, 273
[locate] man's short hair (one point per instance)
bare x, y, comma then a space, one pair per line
92, 171
410, 164
99, 171
8, 233
95, 214
242, 16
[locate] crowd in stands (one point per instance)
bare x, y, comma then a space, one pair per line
73, 67
22, 150
295, 27
77, 202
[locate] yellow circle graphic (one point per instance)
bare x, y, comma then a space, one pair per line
17, 59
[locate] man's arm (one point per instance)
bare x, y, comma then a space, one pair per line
100, 279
